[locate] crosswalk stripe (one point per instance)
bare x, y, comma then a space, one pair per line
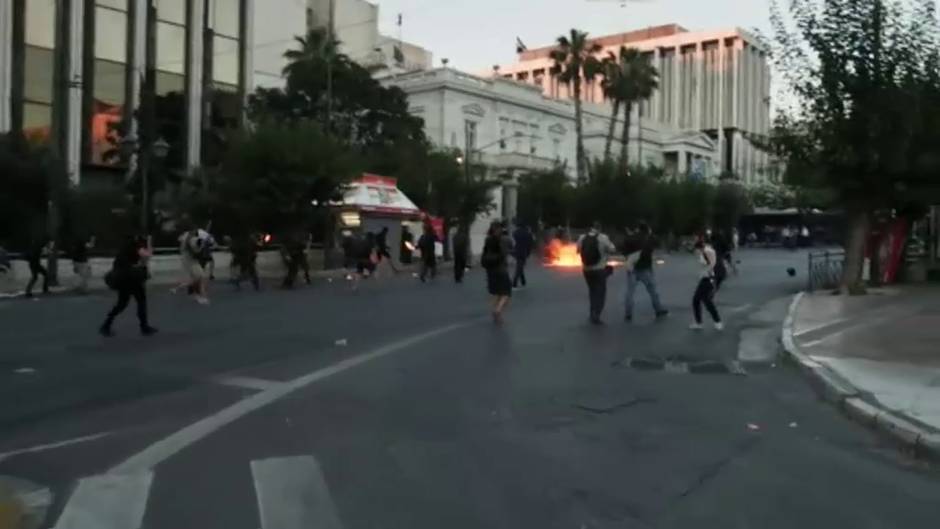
109, 501
292, 494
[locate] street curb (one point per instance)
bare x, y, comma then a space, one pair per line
836, 390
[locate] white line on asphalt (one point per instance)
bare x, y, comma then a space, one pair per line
820, 326
169, 446
109, 501
259, 384
292, 494
739, 308
53, 446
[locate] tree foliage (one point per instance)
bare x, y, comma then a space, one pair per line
575, 58
865, 77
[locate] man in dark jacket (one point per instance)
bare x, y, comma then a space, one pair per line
640, 270
461, 253
523, 244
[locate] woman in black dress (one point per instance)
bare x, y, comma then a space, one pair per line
495, 260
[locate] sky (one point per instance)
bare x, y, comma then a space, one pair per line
476, 34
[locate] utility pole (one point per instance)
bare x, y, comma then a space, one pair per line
330, 36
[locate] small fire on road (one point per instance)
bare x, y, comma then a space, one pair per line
565, 255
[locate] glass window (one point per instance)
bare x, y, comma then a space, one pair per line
172, 11
225, 17
170, 82
38, 75
109, 82
225, 60
40, 23
108, 111
110, 35
116, 4
37, 121
171, 48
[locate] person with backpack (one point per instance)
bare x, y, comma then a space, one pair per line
495, 260
595, 248
640, 270
705, 290
128, 277
427, 244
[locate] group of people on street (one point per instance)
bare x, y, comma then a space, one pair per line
596, 251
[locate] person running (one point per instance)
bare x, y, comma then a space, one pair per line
461, 253
495, 260
705, 289
295, 259
383, 251
427, 244
640, 270
196, 281
34, 255
128, 276
523, 244
722, 246
80, 264
595, 248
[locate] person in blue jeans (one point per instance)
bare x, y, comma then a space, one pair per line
640, 270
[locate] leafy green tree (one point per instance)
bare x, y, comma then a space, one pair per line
865, 76
25, 179
576, 61
546, 198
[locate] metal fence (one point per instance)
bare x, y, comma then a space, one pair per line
825, 269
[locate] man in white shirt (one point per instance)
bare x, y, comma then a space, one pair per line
595, 249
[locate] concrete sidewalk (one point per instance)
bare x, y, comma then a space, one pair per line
878, 356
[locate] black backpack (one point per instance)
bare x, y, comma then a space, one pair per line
590, 251
492, 253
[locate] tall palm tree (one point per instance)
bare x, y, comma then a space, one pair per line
640, 80
612, 86
315, 46
576, 61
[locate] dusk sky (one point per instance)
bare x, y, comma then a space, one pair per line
476, 34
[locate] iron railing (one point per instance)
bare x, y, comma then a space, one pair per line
825, 269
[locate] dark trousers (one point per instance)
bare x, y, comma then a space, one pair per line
295, 264
597, 291
248, 271
460, 266
36, 270
519, 276
428, 267
125, 293
705, 295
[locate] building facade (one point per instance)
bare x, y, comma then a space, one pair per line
717, 82
356, 25
79, 71
511, 128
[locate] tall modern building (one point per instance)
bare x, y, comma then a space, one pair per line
77, 74
717, 82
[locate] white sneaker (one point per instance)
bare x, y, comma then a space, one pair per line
719, 326
696, 327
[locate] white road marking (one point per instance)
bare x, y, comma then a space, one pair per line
292, 494
259, 384
171, 445
53, 446
111, 501
739, 308
820, 326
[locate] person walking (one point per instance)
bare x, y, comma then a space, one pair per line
705, 289
461, 253
129, 276
495, 260
407, 249
34, 255
640, 270
427, 244
245, 260
192, 244
523, 244
595, 248
295, 259
80, 264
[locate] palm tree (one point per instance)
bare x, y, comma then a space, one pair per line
640, 79
576, 61
314, 47
612, 85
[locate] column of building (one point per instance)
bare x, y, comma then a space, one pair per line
6, 60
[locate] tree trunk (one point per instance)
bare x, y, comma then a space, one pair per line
579, 130
625, 138
612, 131
858, 226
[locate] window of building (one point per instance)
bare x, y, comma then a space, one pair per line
171, 48
40, 23
172, 11
225, 60
470, 129
38, 67
225, 16
110, 34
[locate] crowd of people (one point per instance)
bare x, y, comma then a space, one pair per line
504, 258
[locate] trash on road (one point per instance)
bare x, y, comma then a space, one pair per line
25, 371
753, 427
793, 425
343, 342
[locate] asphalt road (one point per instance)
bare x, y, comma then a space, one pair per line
402, 406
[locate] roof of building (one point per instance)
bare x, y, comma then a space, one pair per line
637, 35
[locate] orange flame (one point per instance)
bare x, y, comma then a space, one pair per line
563, 255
